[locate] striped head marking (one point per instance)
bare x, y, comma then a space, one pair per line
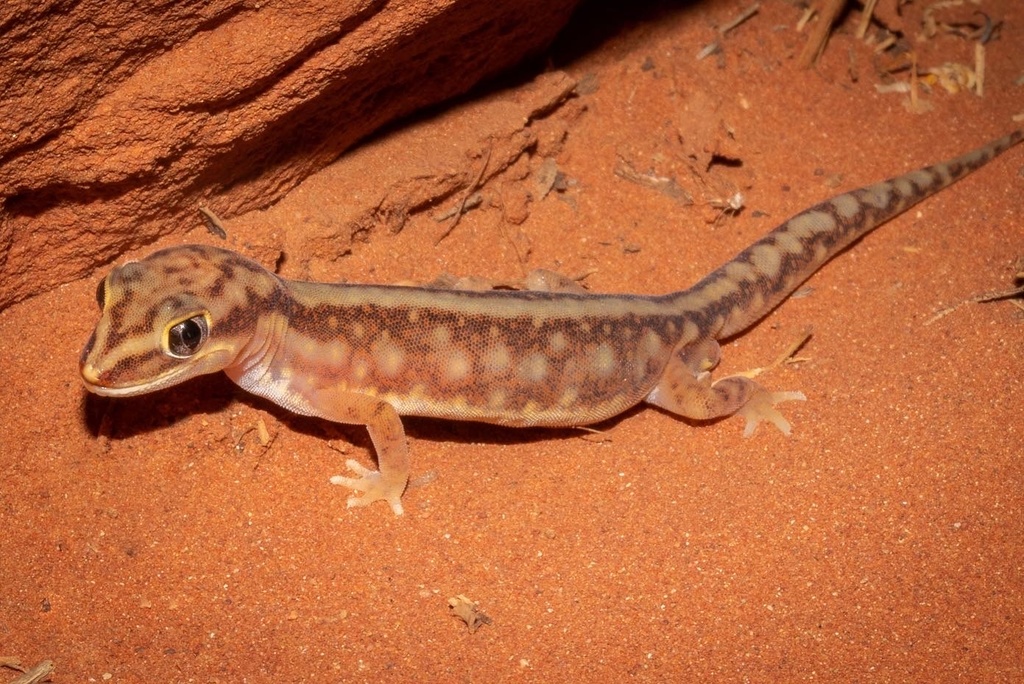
178, 313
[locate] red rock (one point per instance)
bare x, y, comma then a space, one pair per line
115, 126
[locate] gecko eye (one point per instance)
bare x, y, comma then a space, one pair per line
101, 293
185, 338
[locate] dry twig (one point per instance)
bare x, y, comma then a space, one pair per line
465, 198
820, 33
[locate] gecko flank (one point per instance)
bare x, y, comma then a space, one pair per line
368, 354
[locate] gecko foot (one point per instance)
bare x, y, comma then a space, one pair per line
373, 485
761, 407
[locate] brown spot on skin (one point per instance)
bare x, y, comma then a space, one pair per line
497, 358
441, 337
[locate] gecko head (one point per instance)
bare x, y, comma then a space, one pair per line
178, 313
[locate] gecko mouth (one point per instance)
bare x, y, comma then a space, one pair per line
98, 382
107, 383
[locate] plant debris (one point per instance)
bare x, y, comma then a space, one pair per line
39, 673
466, 610
214, 226
465, 198
788, 356
664, 184
820, 33
715, 45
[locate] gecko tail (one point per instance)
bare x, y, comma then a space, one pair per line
759, 278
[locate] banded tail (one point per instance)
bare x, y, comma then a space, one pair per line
743, 290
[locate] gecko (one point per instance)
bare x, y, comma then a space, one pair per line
545, 356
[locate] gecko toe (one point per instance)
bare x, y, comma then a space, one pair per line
761, 407
373, 485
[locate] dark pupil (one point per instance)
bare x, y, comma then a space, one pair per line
186, 337
101, 293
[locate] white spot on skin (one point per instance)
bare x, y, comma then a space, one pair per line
534, 368
388, 356
690, 331
878, 195
557, 343
788, 242
942, 176
457, 403
921, 179
757, 302
604, 360
496, 399
358, 330
651, 345
568, 397
359, 370
457, 366
650, 348
716, 291
767, 259
309, 348
808, 224
336, 353
904, 187
820, 251
846, 206
739, 271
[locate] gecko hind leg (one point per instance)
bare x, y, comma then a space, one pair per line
686, 389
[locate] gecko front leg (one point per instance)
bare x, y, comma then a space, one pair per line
686, 389
385, 427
